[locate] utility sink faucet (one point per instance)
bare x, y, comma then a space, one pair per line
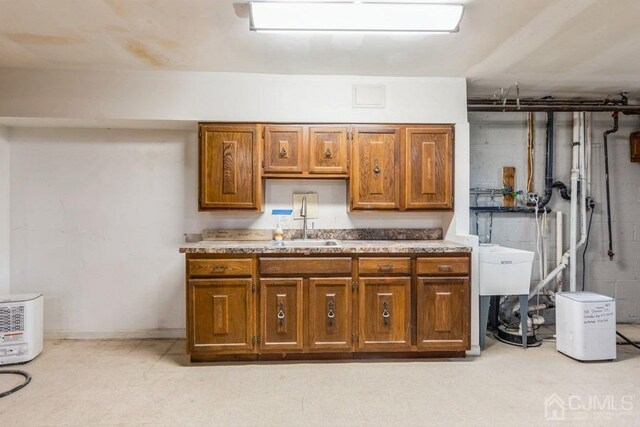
303, 214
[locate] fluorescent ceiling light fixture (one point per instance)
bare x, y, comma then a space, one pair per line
357, 17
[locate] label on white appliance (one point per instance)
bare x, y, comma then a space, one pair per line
600, 313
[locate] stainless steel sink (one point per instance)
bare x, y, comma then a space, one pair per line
311, 243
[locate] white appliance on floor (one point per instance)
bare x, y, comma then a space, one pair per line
586, 325
21, 319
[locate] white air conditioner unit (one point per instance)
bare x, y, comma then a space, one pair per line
20, 328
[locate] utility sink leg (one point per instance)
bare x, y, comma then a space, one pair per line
524, 316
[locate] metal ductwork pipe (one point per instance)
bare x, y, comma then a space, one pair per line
553, 105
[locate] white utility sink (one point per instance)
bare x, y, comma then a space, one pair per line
310, 243
504, 271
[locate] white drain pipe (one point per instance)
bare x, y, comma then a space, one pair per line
575, 198
580, 195
559, 247
578, 210
587, 152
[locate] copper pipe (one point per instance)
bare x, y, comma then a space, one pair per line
530, 151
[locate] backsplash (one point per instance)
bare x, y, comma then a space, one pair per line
369, 234
434, 233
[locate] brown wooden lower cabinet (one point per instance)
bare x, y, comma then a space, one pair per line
337, 306
330, 317
281, 309
220, 315
443, 320
385, 313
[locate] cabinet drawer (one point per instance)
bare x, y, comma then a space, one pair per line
443, 266
220, 267
305, 265
384, 265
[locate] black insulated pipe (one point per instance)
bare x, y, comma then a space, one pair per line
548, 167
564, 191
614, 129
549, 184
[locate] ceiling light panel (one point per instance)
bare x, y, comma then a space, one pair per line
337, 16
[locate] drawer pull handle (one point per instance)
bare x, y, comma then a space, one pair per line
376, 167
330, 314
219, 268
445, 268
385, 267
281, 314
385, 313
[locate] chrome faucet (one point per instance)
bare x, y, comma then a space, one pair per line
303, 214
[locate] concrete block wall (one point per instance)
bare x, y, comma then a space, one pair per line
500, 139
5, 225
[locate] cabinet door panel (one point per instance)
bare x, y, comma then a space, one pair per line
228, 167
328, 152
375, 177
283, 149
429, 167
221, 314
443, 314
330, 316
385, 313
281, 315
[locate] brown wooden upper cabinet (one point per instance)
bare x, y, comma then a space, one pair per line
390, 167
328, 150
428, 177
283, 149
316, 151
375, 172
229, 167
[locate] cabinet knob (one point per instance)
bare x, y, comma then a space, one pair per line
376, 167
327, 153
281, 314
330, 313
283, 153
385, 313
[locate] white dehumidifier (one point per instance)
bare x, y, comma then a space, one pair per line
20, 328
586, 326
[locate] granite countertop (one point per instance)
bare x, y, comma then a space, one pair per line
347, 246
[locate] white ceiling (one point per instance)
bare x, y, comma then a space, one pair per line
590, 47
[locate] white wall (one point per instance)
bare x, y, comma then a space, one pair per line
499, 139
96, 218
4, 212
199, 96
102, 212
